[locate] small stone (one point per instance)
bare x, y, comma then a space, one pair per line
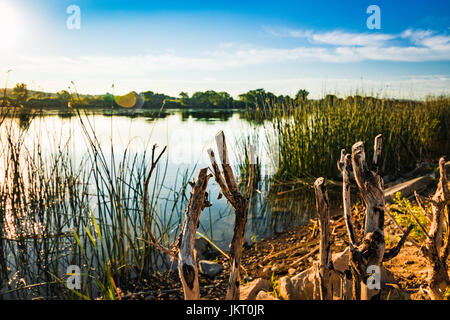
286, 289
251, 289
209, 268
262, 295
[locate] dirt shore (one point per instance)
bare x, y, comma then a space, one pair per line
291, 252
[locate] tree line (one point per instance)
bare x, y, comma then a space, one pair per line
21, 96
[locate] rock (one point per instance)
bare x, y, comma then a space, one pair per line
262, 295
209, 268
251, 289
292, 271
407, 188
286, 289
301, 286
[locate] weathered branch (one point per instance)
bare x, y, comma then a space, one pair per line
414, 242
183, 249
187, 266
438, 279
417, 221
422, 207
148, 228
229, 188
377, 153
251, 174
393, 252
325, 243
370, 184
343, 165
218, 177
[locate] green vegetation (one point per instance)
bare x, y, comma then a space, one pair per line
210, 99
57, 213
311, 134
401, 210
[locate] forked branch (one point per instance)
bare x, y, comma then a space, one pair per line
239, 202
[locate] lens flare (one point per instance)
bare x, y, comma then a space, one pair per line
131, 100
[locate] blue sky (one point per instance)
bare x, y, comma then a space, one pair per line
173, 46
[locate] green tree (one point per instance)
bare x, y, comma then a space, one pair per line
184, 98
19, 94
301, 96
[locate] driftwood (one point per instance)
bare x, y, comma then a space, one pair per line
187, 265
239, 202
356, 261
438, 279
325, 262
183, 249
343, 165
370, 253
370, 183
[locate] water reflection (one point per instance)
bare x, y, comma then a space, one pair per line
60, 189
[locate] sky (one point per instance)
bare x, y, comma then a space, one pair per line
169, 46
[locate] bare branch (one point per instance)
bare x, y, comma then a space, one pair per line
251, 175
417, 221
148, 228
393, 252
325, 243
187, 266
414, 242
343, 165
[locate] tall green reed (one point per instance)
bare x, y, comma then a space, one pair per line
55, 213
310, 134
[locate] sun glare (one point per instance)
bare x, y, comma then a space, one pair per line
10, 25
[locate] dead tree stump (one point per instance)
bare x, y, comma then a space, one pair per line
239, 202
187, 265
325, 263
183, 249
370, 183
438, 279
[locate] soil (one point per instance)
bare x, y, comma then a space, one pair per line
280, 255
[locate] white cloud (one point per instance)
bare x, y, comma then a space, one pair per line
328, 47
341, 38
335, 37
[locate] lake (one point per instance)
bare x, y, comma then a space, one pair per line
83, 181
187, 135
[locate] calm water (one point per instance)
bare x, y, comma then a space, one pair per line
187, 136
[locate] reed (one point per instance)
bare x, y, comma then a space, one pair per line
55, 212
309, 133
